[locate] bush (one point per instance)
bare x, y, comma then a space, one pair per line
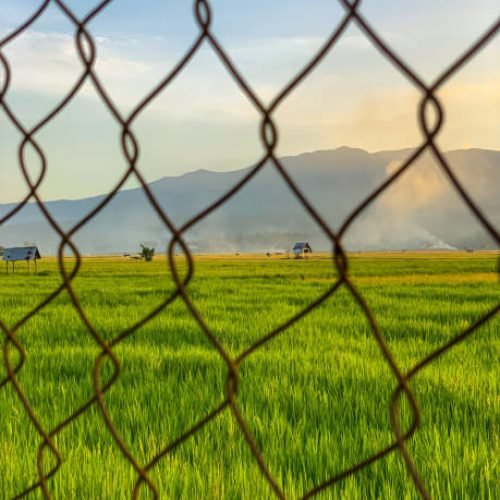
147, 253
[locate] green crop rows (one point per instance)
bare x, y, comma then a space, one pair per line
316, 398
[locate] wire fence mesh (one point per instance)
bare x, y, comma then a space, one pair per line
430, 127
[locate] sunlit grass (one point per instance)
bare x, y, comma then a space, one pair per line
316, 397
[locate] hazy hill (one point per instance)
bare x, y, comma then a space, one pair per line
420, 211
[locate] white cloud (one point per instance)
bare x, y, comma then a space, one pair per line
48, 64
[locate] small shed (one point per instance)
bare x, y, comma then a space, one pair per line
27, 254
302, 250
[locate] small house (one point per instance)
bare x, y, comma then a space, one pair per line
15, 254
302, 250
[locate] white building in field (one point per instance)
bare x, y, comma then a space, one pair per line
15, 254
302, 250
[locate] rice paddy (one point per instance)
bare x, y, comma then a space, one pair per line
316, 397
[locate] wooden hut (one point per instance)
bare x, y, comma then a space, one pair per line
302, 250
15, 254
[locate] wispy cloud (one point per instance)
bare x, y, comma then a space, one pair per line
48, 63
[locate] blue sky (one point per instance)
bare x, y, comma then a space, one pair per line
355, 97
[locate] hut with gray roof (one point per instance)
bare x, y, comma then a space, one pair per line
302, 250
15, 254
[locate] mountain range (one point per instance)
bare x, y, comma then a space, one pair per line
421, 210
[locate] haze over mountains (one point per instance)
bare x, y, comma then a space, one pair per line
422, 210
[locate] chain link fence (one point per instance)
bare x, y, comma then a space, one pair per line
429, 105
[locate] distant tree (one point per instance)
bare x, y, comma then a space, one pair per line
147, 253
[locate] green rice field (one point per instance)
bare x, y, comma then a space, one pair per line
316, 397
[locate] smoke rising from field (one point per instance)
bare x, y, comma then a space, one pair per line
423, 210
395, 219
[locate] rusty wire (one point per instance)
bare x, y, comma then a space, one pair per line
269, 137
